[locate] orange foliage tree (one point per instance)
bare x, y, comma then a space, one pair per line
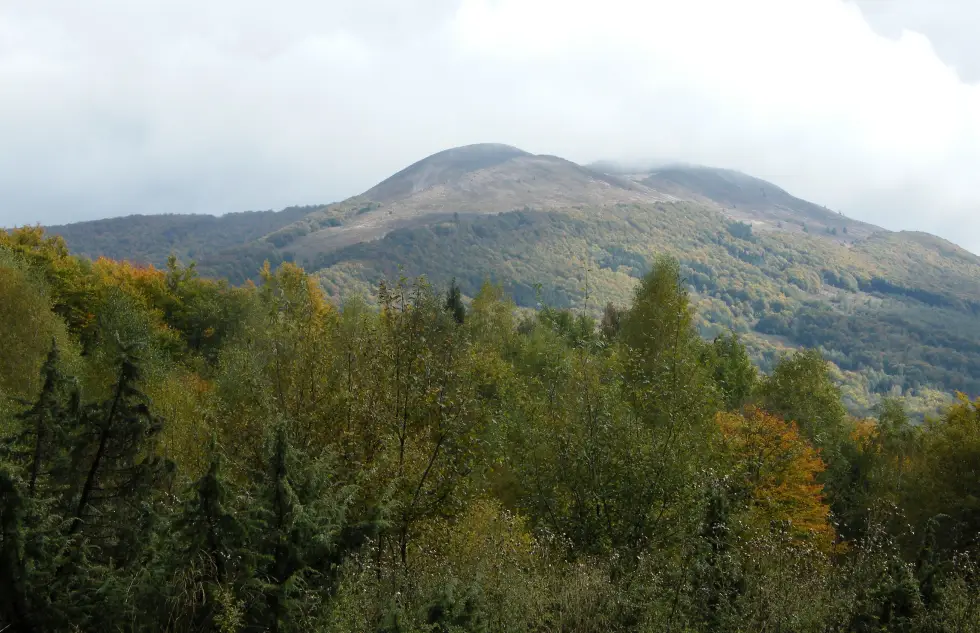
775, 470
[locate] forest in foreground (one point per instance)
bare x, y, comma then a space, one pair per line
178, 454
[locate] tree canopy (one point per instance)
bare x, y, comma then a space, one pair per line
178, 454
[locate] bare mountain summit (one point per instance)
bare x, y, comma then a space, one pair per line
443, 168
474, 179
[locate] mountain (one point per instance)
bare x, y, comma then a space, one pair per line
742, 197
474, 180
896, 312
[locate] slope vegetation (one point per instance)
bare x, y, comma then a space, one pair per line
896, 312
149, 239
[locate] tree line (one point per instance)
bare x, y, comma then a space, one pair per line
178, 454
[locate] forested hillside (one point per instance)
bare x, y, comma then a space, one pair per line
895, 312
894, 315
178, 454
151, 239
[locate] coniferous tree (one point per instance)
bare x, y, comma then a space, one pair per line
14, 608
210, 552
44, 429
454, 302
300, 521
116, 466
551, 475
92, 532
35, 476
450, 612
612, 321
718, 581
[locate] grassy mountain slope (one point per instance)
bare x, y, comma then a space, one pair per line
476, 179
896, 312
746, 198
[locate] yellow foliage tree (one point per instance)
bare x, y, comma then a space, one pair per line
27, 328
186, 403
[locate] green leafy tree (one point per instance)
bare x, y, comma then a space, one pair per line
943, 478
432, 419
734, 374
670, 391
662, 352
391, 468
800, 389
880, 454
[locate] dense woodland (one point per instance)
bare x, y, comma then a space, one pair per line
151, 239
179, 454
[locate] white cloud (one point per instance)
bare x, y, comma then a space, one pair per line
179, 106
951, 26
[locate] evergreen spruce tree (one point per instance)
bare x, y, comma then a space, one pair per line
927, 565
43, 439
450, 612
14, 584
209, 552
116, 467
301, 516
90, 531
718, 580
34, 475
454, 302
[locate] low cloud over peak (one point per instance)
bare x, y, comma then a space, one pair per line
182, 107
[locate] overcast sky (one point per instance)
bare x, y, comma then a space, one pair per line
111, 107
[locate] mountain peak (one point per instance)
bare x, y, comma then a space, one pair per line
443, 167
